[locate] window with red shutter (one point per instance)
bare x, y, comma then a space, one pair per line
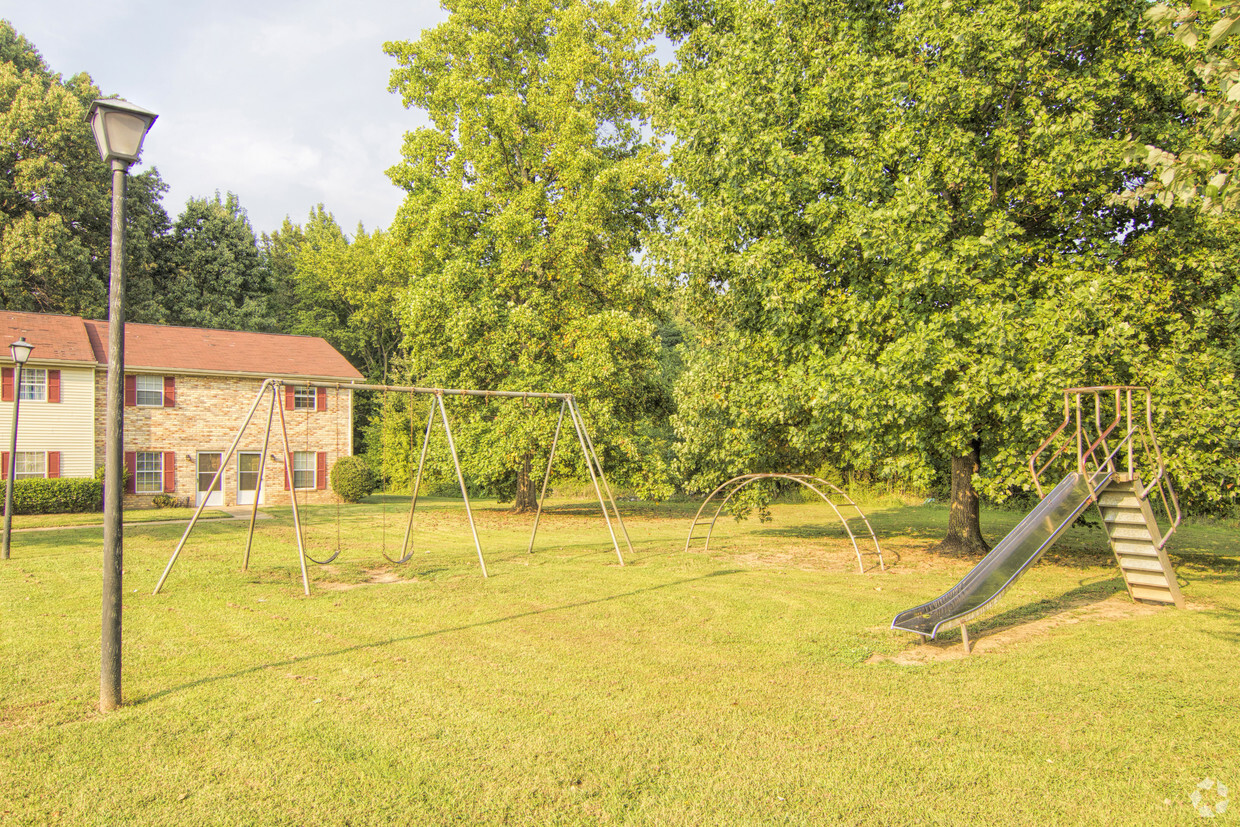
53, 386
6, 385
320, 471
53, 465
131, 391
4, 461
170, 391
131, 465
321, 399
170, 472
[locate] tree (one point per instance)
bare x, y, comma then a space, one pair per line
346, 294
1202, 166
526, 200
55, 196
892, 222
217, 278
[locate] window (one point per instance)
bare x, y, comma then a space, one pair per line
149, 473
150, 390
30, 464
303, 469
304, 399
34, 385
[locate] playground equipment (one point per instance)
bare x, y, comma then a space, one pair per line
1110, 462
568, 403
730, 488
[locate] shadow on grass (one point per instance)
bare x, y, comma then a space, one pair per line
1086, 594
422, 635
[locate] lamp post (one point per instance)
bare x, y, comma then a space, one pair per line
21, 352
119, 128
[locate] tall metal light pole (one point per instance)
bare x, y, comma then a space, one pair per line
21, 352
119, 128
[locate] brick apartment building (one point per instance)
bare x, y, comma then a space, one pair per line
187, 391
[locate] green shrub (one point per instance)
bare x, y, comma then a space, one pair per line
125, 475
165, 501
67, 495
352, 479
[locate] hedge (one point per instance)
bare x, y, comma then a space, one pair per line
66, 495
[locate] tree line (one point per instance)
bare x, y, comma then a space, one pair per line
850, 238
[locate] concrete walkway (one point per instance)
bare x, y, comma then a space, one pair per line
234, 513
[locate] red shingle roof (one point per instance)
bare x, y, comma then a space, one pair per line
158, 347
56, 338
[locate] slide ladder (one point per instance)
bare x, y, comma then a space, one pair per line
1139, 547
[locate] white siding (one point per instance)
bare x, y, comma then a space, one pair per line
67, 426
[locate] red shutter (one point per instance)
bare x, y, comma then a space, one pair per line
288, 397
320, 402
6, 388
288, 471
170, 391
53, 465
170, 471
320, 470
131, 390
4, 460
131, 465
53, 386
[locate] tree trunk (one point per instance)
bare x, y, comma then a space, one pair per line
964, 528
527, 494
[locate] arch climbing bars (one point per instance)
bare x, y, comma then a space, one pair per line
815, 484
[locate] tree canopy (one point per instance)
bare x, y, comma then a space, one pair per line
527, 196
898, 230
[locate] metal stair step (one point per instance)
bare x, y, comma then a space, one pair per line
1132, 563
1118, 499
1153, 593
1136, 549
1138, 578
1116, 515
1129, 532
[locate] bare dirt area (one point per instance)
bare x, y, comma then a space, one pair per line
373, 576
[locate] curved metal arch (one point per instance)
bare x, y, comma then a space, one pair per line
815, 484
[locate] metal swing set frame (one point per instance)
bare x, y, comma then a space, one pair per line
568, 403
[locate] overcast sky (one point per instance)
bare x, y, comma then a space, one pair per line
283, 103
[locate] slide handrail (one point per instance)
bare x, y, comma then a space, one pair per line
1138, 445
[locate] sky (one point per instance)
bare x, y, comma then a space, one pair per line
283, 103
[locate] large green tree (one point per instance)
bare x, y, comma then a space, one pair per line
527, 196
344, 292
55, 196
897, 228
217, 277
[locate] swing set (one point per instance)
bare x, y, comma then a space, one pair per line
568, 403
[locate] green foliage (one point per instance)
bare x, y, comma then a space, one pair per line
66, 495
1201, 167
897, 234
527, 196
55, 196
217, 276
352, 479
344, 292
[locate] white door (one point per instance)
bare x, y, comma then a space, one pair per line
208, 464
247, 478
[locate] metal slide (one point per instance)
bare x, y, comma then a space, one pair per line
1007, 561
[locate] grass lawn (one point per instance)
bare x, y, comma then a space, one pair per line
756, 684
130, 517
